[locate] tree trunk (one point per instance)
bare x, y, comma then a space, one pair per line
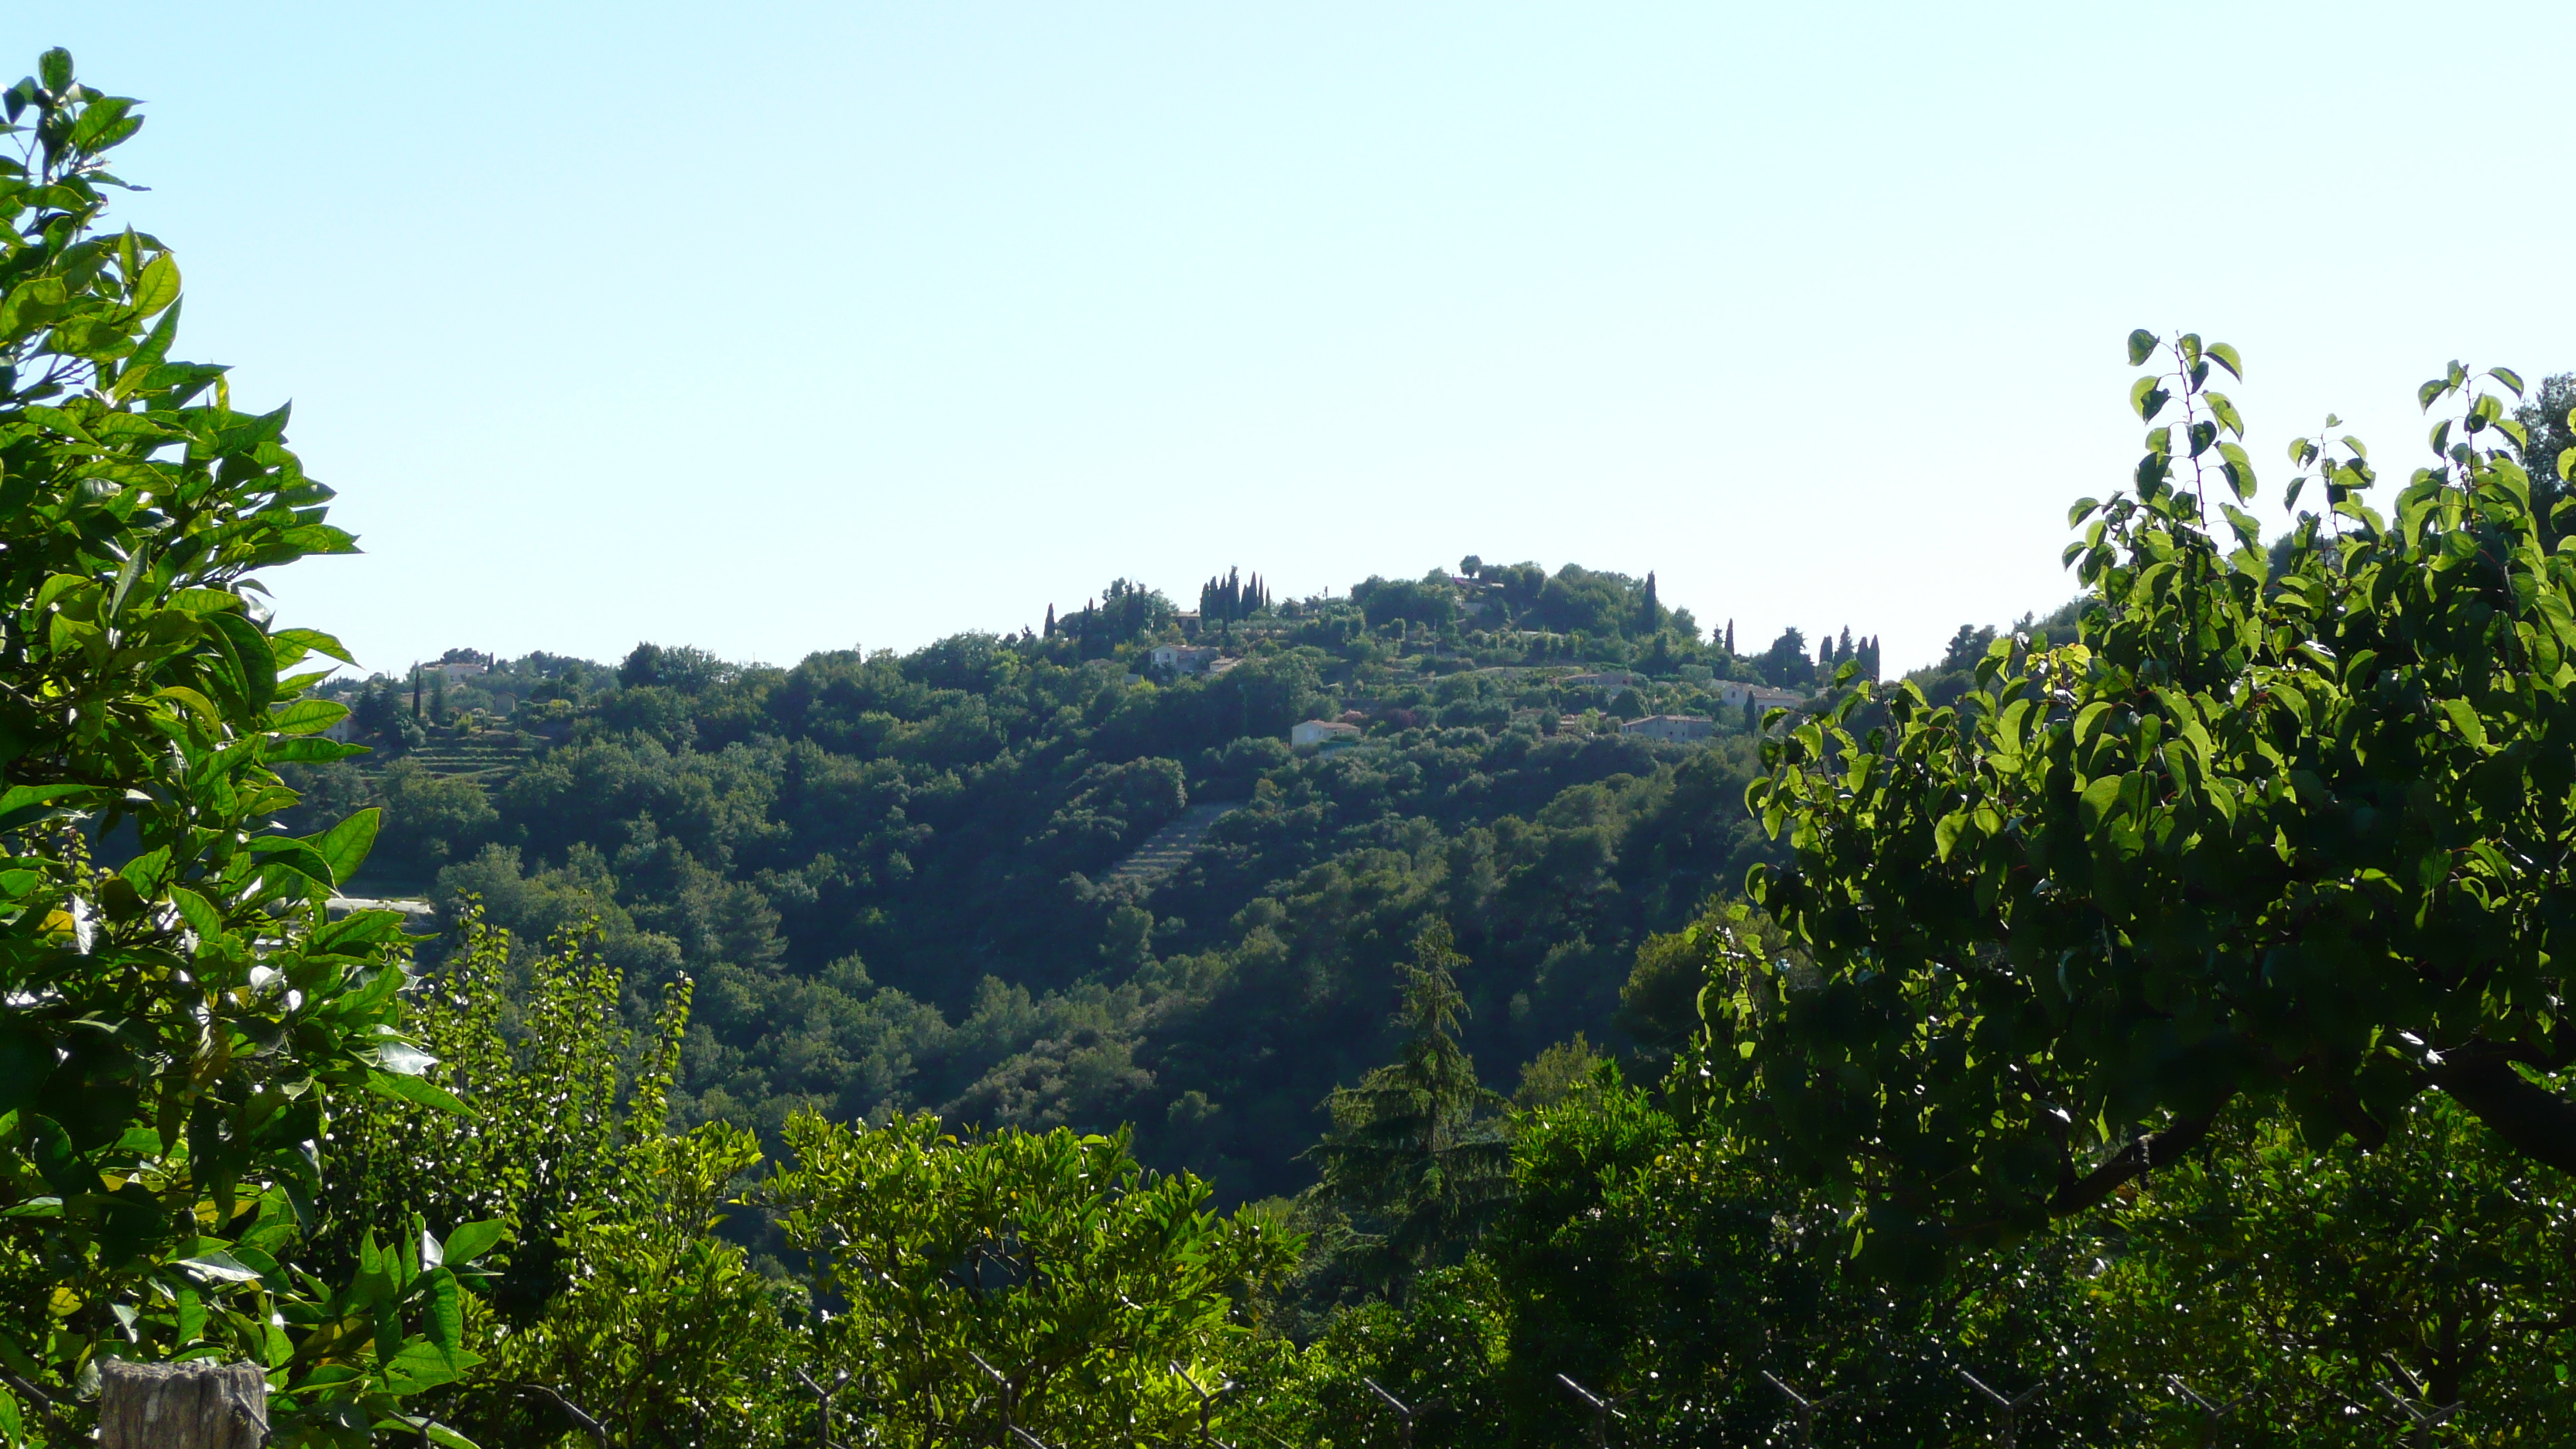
192, 1405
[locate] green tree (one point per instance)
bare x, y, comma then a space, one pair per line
1054, 1259
2299, 839
1415, 1152
2310, 1282
1785, 663
177, 1028
2548, 419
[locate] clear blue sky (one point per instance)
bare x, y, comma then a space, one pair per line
774, 327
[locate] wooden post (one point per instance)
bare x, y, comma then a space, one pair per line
194, 1405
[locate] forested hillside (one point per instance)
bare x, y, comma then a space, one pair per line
896, 879
2142, 1026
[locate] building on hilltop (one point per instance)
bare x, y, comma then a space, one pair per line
1674, 729
1613, 680
1734, 693
1184, 658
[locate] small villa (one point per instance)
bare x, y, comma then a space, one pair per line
1184, 658
1323, 732
1675, 729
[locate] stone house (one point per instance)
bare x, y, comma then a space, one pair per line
1675, 729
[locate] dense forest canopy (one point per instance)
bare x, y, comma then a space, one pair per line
897, 879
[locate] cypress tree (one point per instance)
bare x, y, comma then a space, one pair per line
1652, 616
1730, 636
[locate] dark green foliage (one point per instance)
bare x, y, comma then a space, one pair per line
1416, 1154
1785, 663
1429, 600
892, 878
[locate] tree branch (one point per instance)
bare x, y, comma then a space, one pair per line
2161, 1149
2533, 1120
572, 1411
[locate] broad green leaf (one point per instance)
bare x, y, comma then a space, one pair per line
2141, 343
220, 1267
471, 1241
2098, 798
158, 287
312, 641
24, 805
415, 1089
344, 846
2464, 718
307, 716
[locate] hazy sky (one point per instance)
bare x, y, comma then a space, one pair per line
779, 327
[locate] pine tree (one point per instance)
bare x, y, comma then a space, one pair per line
1843, 650
1415, 1154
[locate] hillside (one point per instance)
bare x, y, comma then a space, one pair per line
906, 881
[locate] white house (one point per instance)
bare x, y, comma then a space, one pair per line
1323, 732
1183, 658
1735, 692
1676, 729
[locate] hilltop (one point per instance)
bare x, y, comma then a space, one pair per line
1082, 875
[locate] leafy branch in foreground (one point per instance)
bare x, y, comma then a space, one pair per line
2298, 832
175, 1027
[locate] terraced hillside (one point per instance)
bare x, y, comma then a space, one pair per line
1168, 849
487, 757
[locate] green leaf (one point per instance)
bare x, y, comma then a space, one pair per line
309, 751
198, 912
2147, 399
2505, 375
415, 1089
424, 1365
220, 1267
2097, 800
307, 717
254, 663
54, 69
294, 855
2141, 342
2226, 357
2425, 395
2464, 718
471, 1241
158, 287
344, 846
313, 641
24, 805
